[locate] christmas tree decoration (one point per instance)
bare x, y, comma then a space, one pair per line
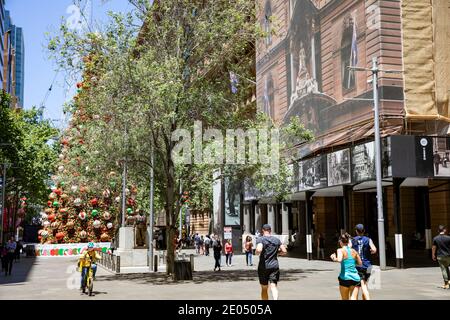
77, 202
104, 237
56, 204
51, 217
117, 199
74, 188
44, 216
83, 234
94, 202
44, 234
60, 235
82, 215
52, 196
97, 224
109, 225
129, 211
106, 215
94, 213
106, 193
46, 224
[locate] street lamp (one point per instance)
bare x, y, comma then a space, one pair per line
381, 234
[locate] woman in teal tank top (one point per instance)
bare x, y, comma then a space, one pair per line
349, 259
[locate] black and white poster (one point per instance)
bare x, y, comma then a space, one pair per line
313, 173
386, 163
363, 162
441, 157
339, 167
232, 202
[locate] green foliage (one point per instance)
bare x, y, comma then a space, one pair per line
26, 147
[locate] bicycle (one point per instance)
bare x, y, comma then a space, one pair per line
89, 281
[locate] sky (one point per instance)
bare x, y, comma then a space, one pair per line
37, 17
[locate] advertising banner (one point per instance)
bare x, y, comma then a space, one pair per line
232, 202
312, 173
339, 167
363, 162
441, 156
64, 250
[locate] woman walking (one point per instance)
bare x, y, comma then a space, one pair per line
249, 251
228, 252
217, 249
349, 259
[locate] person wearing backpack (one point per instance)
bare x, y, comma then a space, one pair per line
365, 248
207, 245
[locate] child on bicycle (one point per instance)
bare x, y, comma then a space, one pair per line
88, 260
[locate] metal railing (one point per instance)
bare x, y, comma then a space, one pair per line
110, 262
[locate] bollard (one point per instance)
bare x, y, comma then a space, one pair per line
192, 262
155, 266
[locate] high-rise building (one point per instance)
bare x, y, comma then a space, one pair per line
2, 32
13, 67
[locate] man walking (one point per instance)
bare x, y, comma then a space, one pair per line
268, 247
441, 251
11, 252
365, 247
207, 245
437, 162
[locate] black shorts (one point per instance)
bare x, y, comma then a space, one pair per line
348, 283
268, 275
364, 274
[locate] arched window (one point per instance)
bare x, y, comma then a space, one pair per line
349, 54
267, 22
269, 97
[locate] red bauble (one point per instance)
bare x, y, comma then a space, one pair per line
58, 192
94, 202
60, 236
51, 217
49, 203
80, 85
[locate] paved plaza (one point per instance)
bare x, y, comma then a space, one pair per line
55, 278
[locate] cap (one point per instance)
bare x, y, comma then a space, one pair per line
359, 227
266, 227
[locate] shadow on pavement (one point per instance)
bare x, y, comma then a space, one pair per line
200, 277
20, 271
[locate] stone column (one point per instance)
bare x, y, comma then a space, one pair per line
258, 224
285, 219
246, 218
271, 217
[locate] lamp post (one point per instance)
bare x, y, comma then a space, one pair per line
381, 234
150, 236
